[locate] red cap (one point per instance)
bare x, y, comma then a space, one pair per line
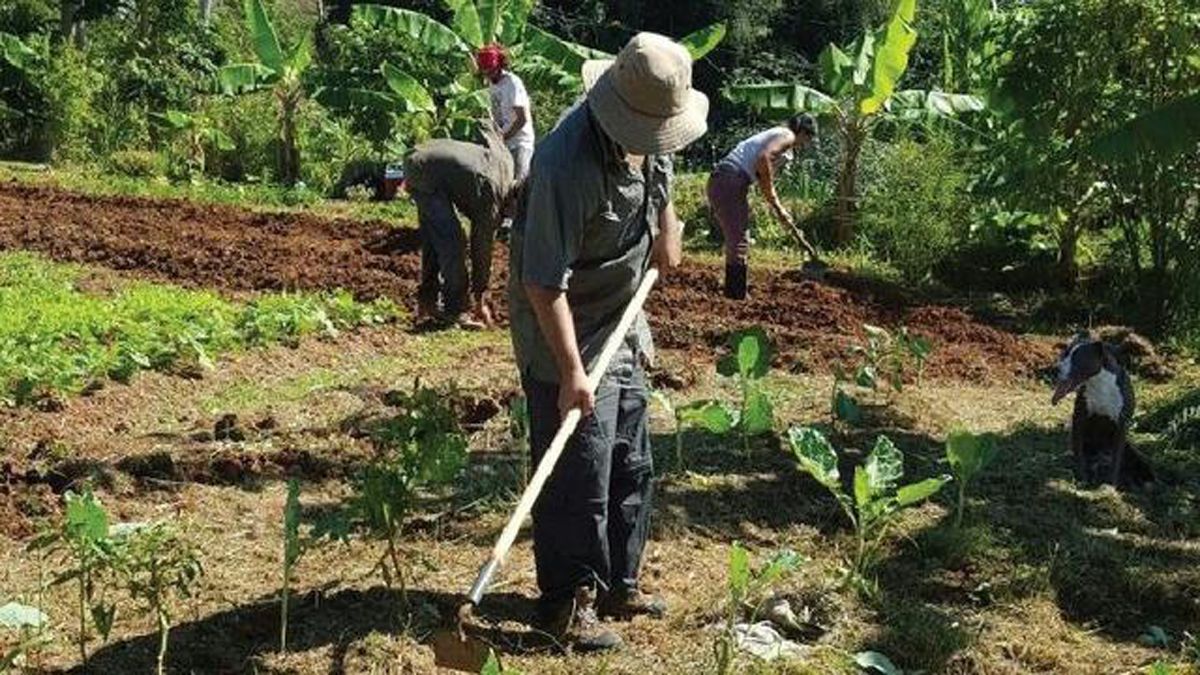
491, 57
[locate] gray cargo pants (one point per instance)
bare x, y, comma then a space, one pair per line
591, 522
444, 252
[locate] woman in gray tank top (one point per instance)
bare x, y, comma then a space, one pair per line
759, 159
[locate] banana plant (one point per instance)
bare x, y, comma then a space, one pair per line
280, 69
197, 134
542, 59
858, 91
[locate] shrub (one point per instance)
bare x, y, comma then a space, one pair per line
915, 212
138, 163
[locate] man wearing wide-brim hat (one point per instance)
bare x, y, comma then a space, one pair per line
597, 215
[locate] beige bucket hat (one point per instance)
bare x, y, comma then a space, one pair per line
644, 99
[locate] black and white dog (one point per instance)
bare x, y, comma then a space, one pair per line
1104, 406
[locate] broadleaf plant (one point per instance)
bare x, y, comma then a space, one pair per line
748, 363
279, 68
541, 58
968, 455
86, 547
421, 447
748, 589
876, 498
156, 564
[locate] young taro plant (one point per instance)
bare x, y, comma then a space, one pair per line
968, 455
886, 358
712, 416
422, 447
157, 564
84, 543
876, 500
747, 591
29, 623
748, 363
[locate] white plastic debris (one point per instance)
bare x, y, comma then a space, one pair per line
764, 641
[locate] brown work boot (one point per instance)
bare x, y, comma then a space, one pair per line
577, 625
628, 603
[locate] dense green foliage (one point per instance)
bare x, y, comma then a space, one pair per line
59, 337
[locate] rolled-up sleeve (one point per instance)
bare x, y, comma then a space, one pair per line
555, 216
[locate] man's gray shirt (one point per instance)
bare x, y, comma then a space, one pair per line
587, 228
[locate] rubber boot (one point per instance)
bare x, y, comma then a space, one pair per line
735, 281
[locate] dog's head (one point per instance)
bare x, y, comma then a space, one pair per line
1080, 361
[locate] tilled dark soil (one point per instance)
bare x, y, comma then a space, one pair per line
813, 324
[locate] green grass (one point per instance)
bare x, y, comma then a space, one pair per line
58, 338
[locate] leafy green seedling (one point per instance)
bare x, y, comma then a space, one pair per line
883, 359
712, 416
749, 363
968, 455
292, 550
876, 499
747, 591
84, 543
156, 565
29, 623
421, 447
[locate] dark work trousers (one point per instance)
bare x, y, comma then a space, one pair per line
729, 200
592, 519
443, 253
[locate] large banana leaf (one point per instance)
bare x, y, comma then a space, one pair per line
490, 17
358, 97
782, 99
262, 33
893, 43
514, 19
835, 67
565, 55
301, 55
240, 78
539, 73
466, 21
1164, 132
921, 104
415, 96
433, 35
863, 52
16, 52
703, 41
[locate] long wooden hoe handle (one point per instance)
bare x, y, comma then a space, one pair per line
546, 466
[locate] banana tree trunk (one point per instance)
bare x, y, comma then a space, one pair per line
847, 185
1068, 246
289, 152
206, 9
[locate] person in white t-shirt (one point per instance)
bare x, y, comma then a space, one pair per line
511, 110
758, 159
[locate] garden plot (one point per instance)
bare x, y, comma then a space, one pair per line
231, 249
1108, 580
